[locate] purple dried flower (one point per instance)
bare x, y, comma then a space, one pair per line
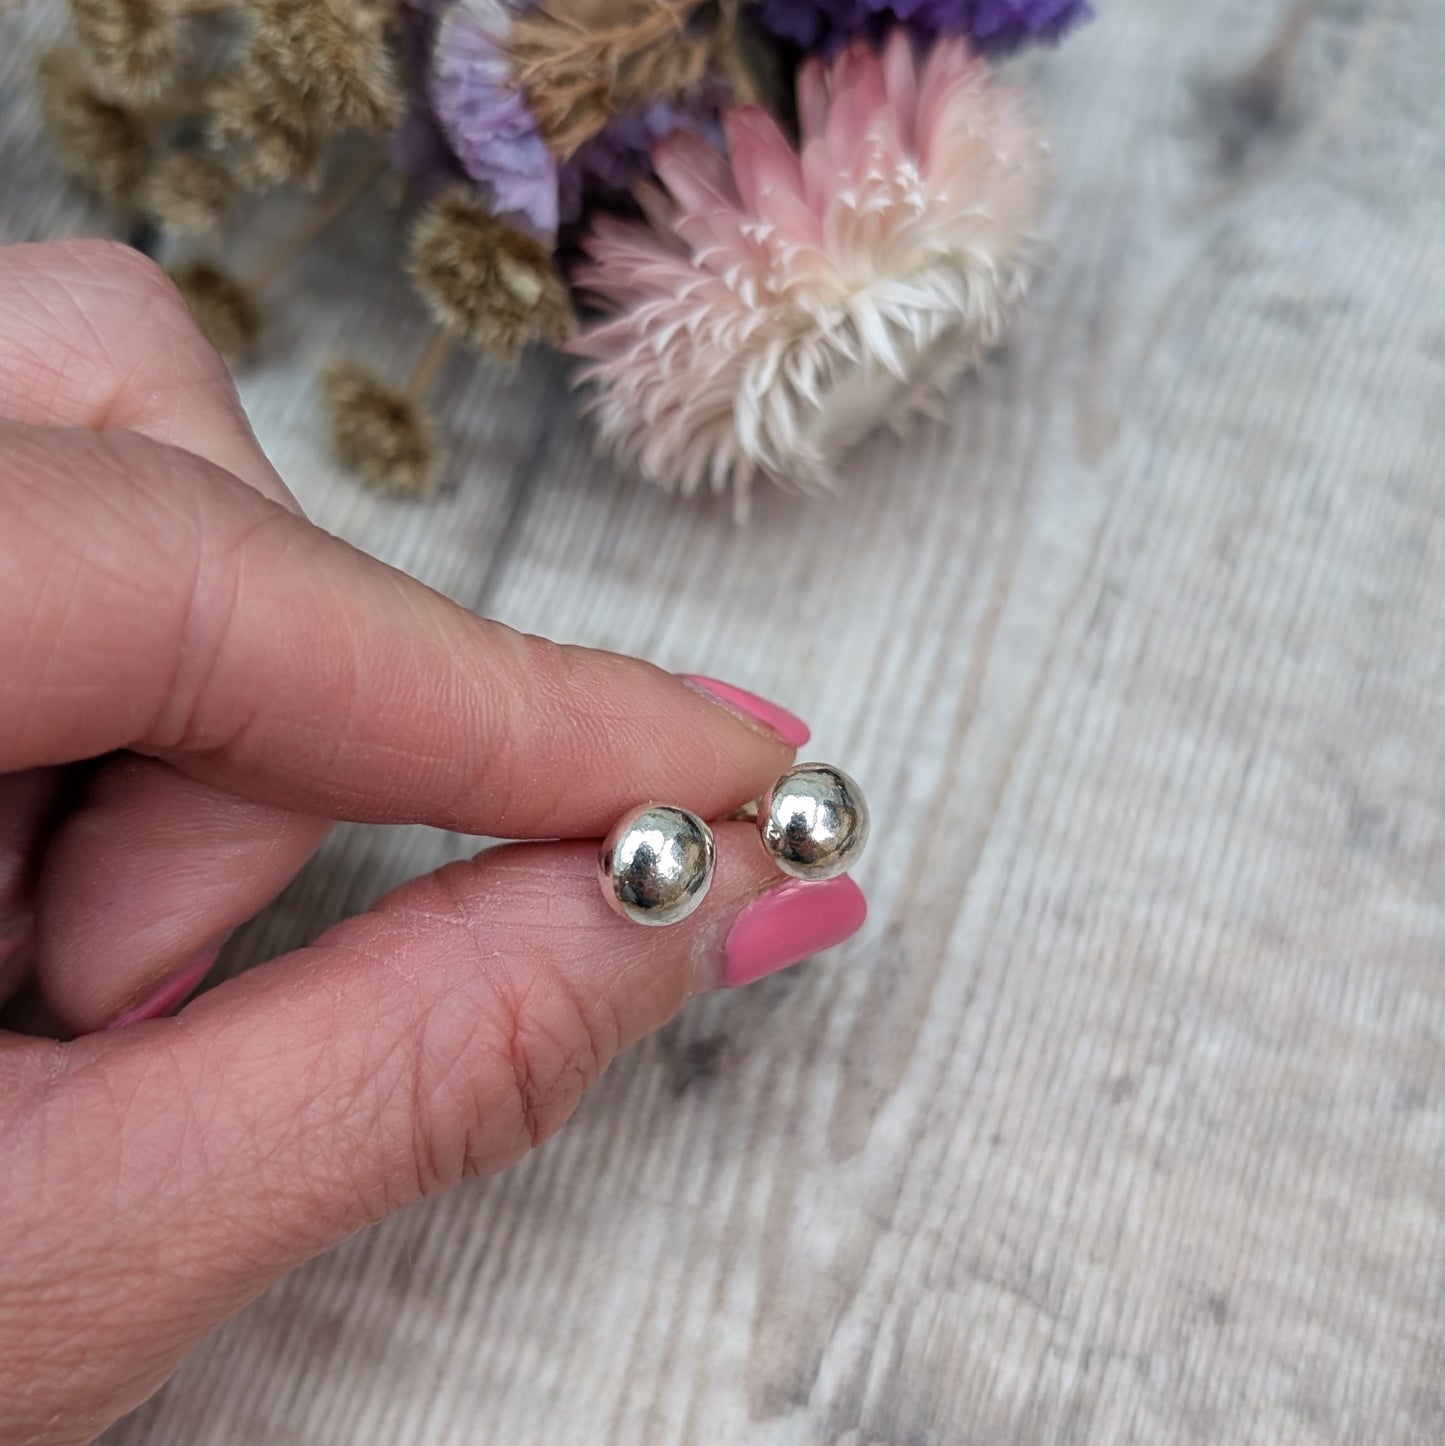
487, 118
419, 147
605, 168
420, 151
993, 25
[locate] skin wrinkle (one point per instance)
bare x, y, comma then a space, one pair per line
102, 409
32, 371
30, 701
443, 1086
143, 1149
268, 1137
391, 1055
359, 1144
209, 612
493, 1031
514, 1023
530, 690
156, 299
59, 346
520, 695
75, 541
50, 648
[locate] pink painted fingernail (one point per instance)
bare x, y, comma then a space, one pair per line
788, 726
175, 988
788, 924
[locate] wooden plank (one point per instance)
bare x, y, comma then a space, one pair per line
1125, 1118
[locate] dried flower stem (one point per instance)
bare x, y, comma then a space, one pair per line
1261, 87
424, 372
320, 222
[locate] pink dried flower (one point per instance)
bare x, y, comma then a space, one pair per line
779, 304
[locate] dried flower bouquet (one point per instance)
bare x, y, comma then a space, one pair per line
763, 226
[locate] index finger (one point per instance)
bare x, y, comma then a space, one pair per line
157, 604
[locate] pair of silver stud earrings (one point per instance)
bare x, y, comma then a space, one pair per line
656, 864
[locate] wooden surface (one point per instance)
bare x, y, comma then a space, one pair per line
1124, 1120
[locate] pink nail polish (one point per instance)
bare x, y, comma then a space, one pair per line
788, 726
175, 988
788, 924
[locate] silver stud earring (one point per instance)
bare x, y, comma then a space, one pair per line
656, 864
813, 821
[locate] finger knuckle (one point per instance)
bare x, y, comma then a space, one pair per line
518, 1078
556, 1054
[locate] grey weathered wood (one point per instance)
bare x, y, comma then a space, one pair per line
1125, 1118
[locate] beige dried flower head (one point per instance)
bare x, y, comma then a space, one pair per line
135, 49
380, 433
779, 302
579, 70
336, 54
485, 281
223, 305
187, 190
266, 124
98, 142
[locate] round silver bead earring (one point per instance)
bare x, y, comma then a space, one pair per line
656, 864
813, 821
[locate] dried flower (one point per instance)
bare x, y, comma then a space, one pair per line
608, 166
993, 25
578, 73
223, 306
336, 55
135, 49
486, 118
187, 190
380, 433
419, 148
267, 125
99, 143
485, 281
779, 305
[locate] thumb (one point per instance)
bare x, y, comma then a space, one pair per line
442, 1035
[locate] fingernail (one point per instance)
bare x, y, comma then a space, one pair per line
177, 986
788, 924
748, 706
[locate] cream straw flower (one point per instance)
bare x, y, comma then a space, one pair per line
779, 304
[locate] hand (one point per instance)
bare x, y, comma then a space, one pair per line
194, 682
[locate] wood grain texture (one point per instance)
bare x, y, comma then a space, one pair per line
1124, 1121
